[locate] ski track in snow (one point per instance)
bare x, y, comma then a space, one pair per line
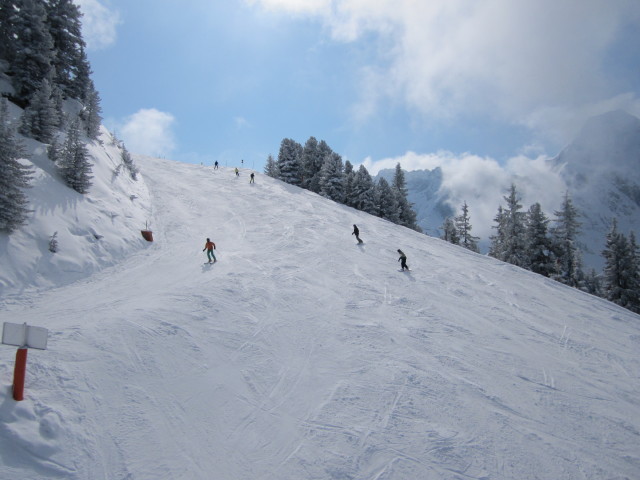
301, 355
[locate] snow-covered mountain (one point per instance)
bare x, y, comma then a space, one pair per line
602, 170
299, 354
430, 202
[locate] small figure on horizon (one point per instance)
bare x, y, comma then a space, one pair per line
215, 165
403, 260
356, 232
252, 178
237, 172
210, 247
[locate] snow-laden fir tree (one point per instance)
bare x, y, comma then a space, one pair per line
31, 49
538, 244
514, 250
289, 161
7, 11
387, 203
499, 240
349, 175
633, 299
406, 213
74, 166
41, 118
53, 243
90, 114
362, 197
463, 228
271, 167
564, 235
620, 279
450, 232
14, 176
63, 19
127, 161
314, 154
331, 178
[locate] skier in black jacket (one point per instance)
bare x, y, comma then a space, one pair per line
403, 260
356, 232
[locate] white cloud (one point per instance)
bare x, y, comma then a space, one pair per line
241, 122
528, 62
483, 182
295, 6
149, 132
99, 24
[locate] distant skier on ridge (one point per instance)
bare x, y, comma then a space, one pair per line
210, 247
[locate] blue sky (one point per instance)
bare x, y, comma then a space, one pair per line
380, 81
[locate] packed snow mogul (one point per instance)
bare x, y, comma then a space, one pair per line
210, 247
403, 260
356, 232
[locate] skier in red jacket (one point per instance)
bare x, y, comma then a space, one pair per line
210, 247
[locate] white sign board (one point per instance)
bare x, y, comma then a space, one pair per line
23, 335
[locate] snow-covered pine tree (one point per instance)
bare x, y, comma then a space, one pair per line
514, 251
40, 118
90, 114
564, 235
362, 191
54, 150
593, 283
450, 232
406, 212
499, 240
331, 178
633, 299
314, 154
271, 168
538, 245
615, 253
64, 24
14, 176
463, 227
53, 243
127, 160
289, 166
7, 11
308, 163
74, 165
31, 50
620, 278
387, 203
349, 175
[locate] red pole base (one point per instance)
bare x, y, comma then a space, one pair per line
19, 373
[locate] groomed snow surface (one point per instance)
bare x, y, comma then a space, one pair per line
301, 355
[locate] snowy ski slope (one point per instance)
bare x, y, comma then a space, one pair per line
301, 355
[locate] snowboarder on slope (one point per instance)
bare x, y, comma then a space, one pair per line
356, 232
403, 260
210, 247
252, 178
215, 165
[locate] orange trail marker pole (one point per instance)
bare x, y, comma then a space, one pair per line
19, 373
